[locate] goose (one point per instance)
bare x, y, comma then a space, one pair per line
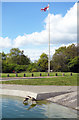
26, 99
29, 98
33, 99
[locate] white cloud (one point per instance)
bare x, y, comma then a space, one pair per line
34, 54
63, 30
5, 42
35, 38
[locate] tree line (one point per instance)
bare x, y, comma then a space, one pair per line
65, 59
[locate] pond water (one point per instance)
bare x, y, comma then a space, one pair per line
13, 107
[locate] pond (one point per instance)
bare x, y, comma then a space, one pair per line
13, 107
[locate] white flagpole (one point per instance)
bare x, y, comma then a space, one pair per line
49, 42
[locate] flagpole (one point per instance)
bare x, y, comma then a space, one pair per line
49, 41
48, 36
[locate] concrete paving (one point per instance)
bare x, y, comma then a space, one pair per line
64, 95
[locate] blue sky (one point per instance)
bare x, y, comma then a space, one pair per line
24, 25
19, 18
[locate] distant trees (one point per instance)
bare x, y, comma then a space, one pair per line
74, 64
32, 67
59, 62
64, 59
43, 63
39, 66
17, 56
14, 61
3, 56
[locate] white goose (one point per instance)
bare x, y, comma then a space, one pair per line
29, 98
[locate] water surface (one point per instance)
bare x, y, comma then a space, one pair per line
13, 107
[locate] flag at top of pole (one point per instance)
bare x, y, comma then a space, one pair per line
46, 8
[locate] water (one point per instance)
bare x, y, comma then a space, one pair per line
13, 107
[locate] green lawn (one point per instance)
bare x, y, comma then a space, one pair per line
66, 80
36, 74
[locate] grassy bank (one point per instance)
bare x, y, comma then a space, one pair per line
66, 80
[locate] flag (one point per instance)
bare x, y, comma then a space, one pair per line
46, 8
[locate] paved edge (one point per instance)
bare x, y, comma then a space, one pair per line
68, 99
18, 93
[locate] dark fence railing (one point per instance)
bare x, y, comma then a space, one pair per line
24, 75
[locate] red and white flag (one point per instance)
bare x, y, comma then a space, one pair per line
46, 8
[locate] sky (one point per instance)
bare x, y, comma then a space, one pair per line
25, 26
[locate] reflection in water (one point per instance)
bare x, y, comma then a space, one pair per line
32, 104
13, 107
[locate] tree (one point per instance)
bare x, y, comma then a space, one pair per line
14, 61
71, 51
17, 56
60, 50
63, 56
3, 56
32, 67
43, 62
74, 64
59, 62
20, 68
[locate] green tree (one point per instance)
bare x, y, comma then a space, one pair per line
3, 56
71, 51
20, 68
63, 56
60, 50
32, 67
17, 56
43, 62
59, 62
74, 64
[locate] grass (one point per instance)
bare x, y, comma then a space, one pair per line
36, 74
67, 80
